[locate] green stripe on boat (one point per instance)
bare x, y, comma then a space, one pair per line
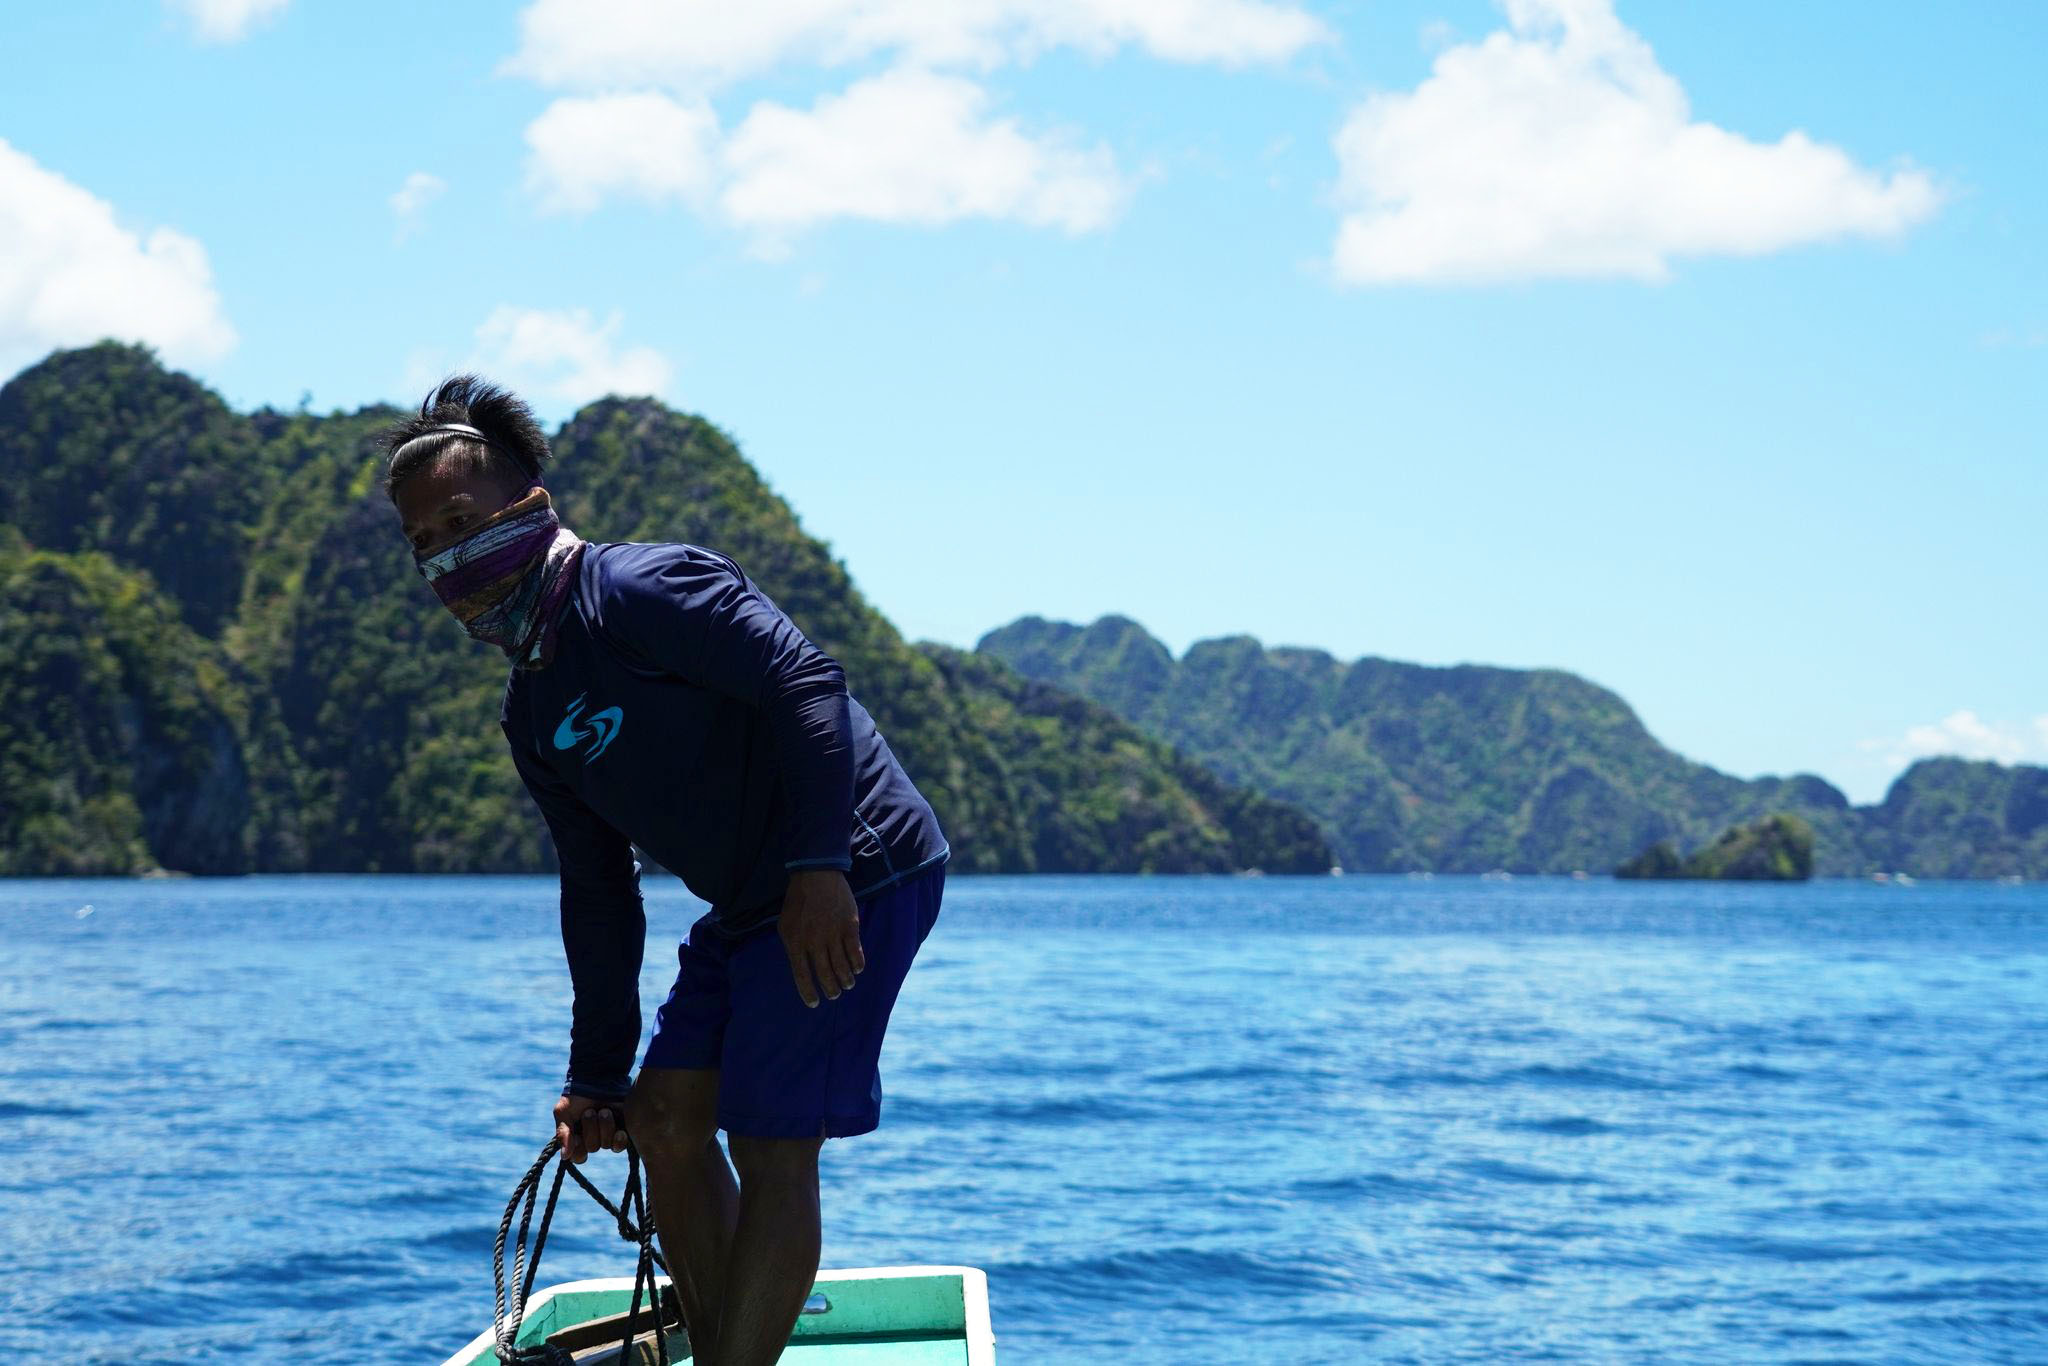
873, 1316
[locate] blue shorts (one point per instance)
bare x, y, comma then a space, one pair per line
788, 1070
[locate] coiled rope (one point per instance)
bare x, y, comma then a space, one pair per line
509, 1305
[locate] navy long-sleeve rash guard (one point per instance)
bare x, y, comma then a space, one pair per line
685, 713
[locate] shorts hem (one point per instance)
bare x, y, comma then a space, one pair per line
678, 1062
776, 1126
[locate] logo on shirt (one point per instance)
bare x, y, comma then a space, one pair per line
602, 729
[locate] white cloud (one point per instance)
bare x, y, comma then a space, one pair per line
646, 146
2019, 338
419, 190
227, 21
1559, 147
1966, 734
698, 45
564, 355
910, 146
71, 275
913, 145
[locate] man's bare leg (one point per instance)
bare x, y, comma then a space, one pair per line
672, 1115
774, 1249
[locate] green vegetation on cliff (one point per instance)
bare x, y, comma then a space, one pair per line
227, 661
1962, 818
1778, 848
219, 658
118, 749
1098, 795
1660, 860
103, 449
1468, 768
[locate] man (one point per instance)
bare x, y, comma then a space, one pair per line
658, 698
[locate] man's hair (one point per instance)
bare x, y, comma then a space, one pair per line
513, 442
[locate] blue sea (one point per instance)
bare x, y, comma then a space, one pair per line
1175, 1119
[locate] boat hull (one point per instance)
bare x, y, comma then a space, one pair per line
873, 1316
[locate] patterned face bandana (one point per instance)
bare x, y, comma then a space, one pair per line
506, 578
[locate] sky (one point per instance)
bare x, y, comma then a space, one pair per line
1698, 350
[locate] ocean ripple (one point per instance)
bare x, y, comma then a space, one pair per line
1288, 1120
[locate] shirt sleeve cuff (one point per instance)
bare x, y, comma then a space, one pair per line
843, 863
597, 1089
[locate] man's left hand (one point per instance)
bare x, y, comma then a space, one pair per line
820, 927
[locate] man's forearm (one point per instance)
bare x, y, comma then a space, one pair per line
603, 940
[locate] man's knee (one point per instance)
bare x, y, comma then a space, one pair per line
774, 1158
673, 1111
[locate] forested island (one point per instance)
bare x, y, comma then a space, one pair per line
1468, 768
219, 660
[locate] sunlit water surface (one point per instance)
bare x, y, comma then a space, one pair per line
1174, 1119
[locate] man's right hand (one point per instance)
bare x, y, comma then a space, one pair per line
584, 1124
